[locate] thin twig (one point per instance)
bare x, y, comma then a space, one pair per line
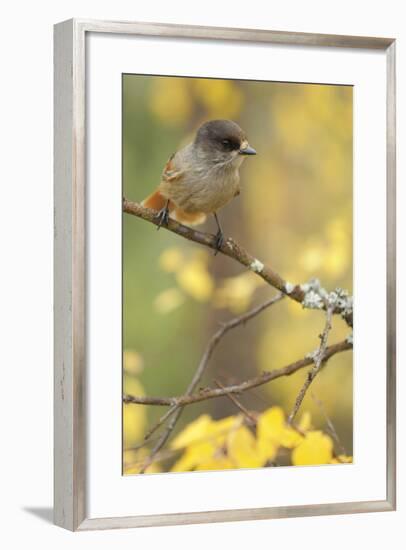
231, 249
329, 423
318, 362
264, 378
248, 415
177, 407
158, 424
231, 324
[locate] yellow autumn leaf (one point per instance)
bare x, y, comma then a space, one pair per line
194, 455
171, 259
205, 428
235, 293
217, 463
132, 362
337, 231
266, 449
192, 433
290, 438
168, 300
315, 448
312, 257
342, 459
305, 422
242, 449
202, 440
273, 432
195, 279
271, 424
221, 427
336, 259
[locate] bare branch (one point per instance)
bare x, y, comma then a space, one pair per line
318, 362
310, 295
176, 407
264, 378
248, 415
233, 250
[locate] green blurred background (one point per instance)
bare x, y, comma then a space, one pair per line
294, 213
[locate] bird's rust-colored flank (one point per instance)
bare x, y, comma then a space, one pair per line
156, 201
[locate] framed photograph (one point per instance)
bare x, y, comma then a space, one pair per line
224, 274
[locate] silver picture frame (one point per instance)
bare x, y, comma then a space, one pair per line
70, 271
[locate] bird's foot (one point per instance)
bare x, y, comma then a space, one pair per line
163, 217
219, 241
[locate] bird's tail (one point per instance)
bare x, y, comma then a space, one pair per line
157, 201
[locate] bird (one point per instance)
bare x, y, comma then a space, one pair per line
202, 177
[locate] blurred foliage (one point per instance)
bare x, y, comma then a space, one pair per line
294, 213
232, 442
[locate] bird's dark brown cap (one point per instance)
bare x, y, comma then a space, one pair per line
217, 132
220, 129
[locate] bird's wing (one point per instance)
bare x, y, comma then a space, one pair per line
172, 172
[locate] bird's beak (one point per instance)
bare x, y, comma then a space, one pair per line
247, 150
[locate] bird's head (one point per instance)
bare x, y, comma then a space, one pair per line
223, 141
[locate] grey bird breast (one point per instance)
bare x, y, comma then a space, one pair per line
204, 184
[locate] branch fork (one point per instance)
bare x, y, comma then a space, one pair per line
310, 295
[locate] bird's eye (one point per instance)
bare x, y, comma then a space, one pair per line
227, 143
